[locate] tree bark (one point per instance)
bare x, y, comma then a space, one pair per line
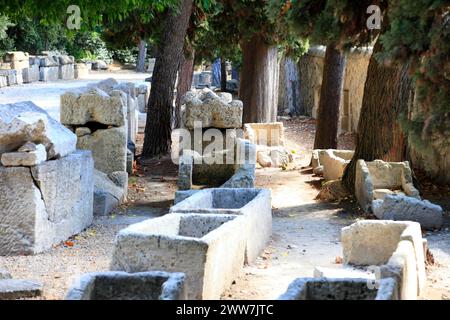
160, 105
387, 93
259, 81
140, 67
184, 81
330, 99
223, 74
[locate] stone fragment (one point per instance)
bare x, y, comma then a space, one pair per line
109, 148
26, 159
81, 71
108, 193
27, 147
31, 74
66, 72
25, 122
402, 208
212, 111
99, 65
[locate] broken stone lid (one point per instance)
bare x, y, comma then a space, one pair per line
23, 122
212, 110
92, 104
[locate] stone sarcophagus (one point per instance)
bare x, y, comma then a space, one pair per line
209, 249
253, 204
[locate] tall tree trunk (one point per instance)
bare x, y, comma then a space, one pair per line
223, 74
184, 81
259, 80
160, 104
330, 99
387, 93
140, 67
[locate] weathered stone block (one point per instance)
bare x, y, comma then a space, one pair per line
24, 121
45, 204
402, 208
49, 73
26, 159
209, 249
339, 289
109, 148
66, 72
156, 285
81, 71
254, 204
212, 111
10, 75
84, 105
31, 74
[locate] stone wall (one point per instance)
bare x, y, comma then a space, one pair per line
310, 74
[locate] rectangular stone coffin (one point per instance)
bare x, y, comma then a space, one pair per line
156, 285
397, 247
46, 204
49, 73
254, 204
375, 179
267, 134
339, 289
209, 249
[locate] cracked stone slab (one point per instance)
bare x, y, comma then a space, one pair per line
11, 289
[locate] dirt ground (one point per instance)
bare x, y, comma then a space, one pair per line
306, 233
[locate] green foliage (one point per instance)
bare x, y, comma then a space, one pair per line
4, 25
88, 45
420, 33
342, 22
31, 36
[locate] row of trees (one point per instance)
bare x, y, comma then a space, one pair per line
410, 59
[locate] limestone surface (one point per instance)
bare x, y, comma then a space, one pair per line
212, 110
156, 285
109, 148
26, 159
209, 249
402, 208
45, 204
24, 121
84, 105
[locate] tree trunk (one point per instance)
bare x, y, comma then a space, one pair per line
330, 99
140, 67
184, 82
223, 74
387, 93
160, 104
259, 81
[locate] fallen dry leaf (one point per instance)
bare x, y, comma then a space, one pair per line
338, 260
